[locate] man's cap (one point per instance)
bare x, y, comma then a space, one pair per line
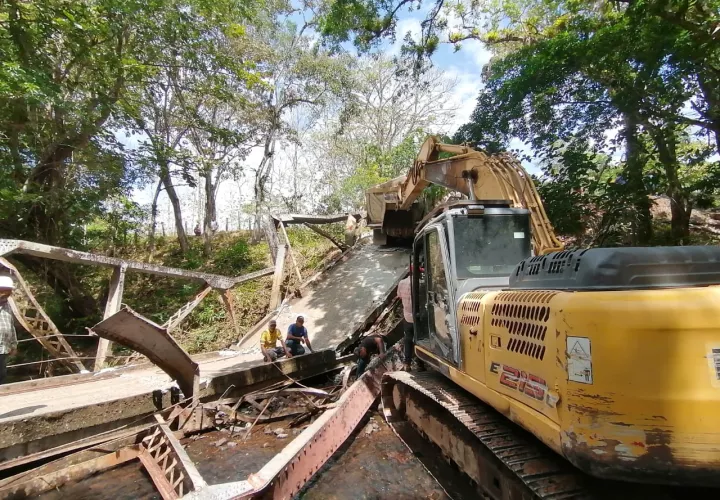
300, 318
6, 283
272, 322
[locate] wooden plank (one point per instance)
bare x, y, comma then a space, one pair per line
277, 278
158, 476
41, 484
114, 302
292, 254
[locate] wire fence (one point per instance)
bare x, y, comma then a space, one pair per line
57, 335
51, 360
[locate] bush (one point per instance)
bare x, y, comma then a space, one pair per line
233, 259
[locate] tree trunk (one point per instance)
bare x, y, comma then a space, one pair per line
340, 245
271, 235
261, 177
153, 220
177, 211
209, 213
680, 207
635, 164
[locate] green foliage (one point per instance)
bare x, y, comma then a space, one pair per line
232, 259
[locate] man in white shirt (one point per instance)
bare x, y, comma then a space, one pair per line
404, 291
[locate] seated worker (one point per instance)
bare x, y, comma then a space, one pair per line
297, 334
372, 344
268, 343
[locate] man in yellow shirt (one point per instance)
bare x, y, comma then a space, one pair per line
268, 343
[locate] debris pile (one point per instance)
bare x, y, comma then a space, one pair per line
289, 401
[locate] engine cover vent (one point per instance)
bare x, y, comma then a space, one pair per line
524, 317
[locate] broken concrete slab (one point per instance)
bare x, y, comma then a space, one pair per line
31, 423
343, 299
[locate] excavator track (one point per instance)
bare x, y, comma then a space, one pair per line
503, 461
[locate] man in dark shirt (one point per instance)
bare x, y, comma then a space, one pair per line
297, 334
372, 344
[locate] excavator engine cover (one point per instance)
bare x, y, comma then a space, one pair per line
620, 269
610, 356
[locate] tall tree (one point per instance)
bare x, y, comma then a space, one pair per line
300, 75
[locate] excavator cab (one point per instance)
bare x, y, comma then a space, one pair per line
459, 248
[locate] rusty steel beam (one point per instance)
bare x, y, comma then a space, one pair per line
113, 304
32, 317
9, 247
52, 480
285, 475
169, 466
128, 328
182, 313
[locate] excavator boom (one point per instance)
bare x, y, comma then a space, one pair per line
475, 174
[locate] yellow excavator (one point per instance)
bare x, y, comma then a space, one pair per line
606, 357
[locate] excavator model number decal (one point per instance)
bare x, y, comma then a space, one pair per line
526, 383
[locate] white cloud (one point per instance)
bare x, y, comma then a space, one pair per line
464, 94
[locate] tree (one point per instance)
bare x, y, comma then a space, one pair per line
223, 138
594, 74
299, 74
376, 135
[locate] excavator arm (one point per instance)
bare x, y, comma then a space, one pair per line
481, 177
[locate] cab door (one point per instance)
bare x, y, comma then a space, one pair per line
435, 328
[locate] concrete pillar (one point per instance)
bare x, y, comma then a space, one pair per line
114, 302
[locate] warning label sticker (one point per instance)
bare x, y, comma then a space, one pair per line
716, 362
579, 356
713, 358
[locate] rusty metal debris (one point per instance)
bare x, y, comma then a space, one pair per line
28, 438
168, 464
133, 330
286, 474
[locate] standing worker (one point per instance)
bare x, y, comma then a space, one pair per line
268, 343
297, 334
372, 344
404, 291
8, 339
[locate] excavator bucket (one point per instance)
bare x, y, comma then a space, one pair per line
399, 223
